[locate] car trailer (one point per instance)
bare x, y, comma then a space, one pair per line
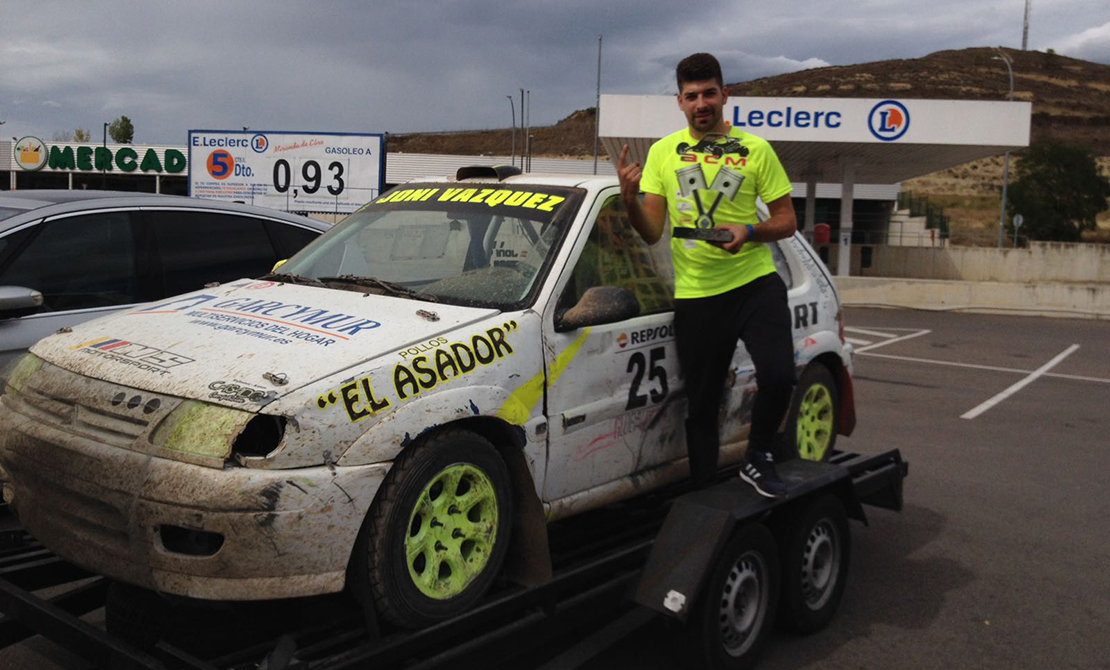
723, 560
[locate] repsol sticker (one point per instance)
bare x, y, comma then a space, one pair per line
424, 367
635, 338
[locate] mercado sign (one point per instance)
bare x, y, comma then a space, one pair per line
31, 153
290, 171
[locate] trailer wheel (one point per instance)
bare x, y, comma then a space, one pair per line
734, 612
436, 535
814, 565
811, 424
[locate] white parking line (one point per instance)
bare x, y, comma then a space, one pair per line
856, 343
995, 368
861, 331
897, 339
971, 414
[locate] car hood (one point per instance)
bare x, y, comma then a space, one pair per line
264, 338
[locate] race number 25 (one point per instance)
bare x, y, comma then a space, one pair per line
639, 365
312, 176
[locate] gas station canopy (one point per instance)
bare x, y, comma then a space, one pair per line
837, 140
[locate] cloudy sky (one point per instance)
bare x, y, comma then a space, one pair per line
386, 66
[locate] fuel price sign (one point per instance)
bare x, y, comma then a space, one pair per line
289, 171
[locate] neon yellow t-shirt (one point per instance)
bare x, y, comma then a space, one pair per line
714, 181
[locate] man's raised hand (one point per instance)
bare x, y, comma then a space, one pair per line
629, 176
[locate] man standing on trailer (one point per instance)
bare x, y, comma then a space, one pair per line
707, 177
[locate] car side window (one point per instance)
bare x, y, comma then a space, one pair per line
78, 262
198, 248
781, 266
289, 238
616, 255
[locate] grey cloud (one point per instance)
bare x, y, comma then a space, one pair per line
349, 65
1091, 44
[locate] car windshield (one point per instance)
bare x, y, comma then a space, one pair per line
481, 245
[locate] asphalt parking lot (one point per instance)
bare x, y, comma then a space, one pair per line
999, 558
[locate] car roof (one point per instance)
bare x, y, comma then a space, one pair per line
570, 180
38, 203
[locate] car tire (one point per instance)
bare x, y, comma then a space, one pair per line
811, 423
735, 611
438, 531
815, 557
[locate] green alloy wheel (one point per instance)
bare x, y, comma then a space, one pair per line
437, 533
451, 531
813, 414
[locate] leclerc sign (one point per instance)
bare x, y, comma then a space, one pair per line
846, 120
788, 118
293, 172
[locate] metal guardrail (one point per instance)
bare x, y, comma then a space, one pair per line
920, 206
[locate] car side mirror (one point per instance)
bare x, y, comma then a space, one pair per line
17, 301
599, 305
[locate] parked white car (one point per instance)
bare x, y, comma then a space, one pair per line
414, 395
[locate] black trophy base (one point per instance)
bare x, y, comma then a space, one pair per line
705, 234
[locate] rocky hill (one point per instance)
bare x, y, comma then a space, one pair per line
571, 137
1071, 98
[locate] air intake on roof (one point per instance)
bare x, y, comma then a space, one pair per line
498, 172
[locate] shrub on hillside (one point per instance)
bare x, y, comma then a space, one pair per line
1059, 190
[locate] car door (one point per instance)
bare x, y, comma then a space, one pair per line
613, 400
86, 265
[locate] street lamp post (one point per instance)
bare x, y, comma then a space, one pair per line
1025, 28
1006, 164
512, 109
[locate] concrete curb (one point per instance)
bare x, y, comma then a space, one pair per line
1082, 301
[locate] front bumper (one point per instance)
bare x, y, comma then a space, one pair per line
286, 533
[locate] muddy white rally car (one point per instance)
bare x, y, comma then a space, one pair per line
407, 401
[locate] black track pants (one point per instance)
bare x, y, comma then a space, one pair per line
706, 331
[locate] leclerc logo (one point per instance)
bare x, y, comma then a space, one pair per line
889, 120
260, 143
